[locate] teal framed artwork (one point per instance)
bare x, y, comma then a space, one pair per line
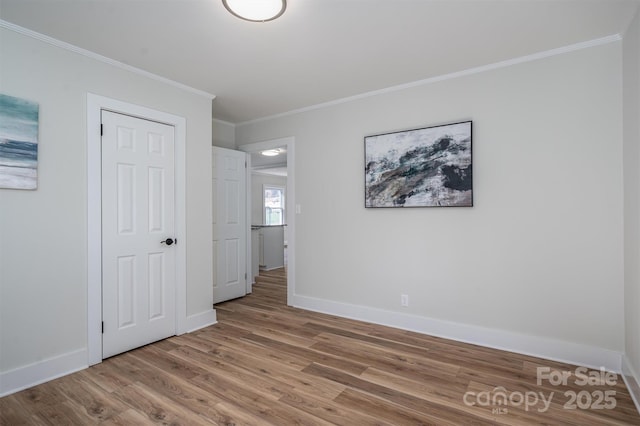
18, 143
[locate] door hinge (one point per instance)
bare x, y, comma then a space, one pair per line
102, 327
101, 129
245, 276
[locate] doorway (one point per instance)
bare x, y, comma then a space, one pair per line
292, 209
269, 213
95, 106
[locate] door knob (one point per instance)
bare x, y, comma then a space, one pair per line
169, 241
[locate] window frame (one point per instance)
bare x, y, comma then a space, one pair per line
282, 189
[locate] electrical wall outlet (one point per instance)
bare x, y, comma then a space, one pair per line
404, 299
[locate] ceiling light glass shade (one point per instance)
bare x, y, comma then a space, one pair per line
256, 10
271, 152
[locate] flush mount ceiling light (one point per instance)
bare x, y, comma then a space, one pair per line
271, 152
256, 10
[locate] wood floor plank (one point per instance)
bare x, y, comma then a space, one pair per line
338, 362
127, 418
269, 387
434, 391
235, 415
251, 320
192, 341
264, 363
292, 335
329, 410
182, 392
390, 360
155, 358
105, 377
435, 411
392, 344
65, 413
157, 408
244, 395
388, 411
11, 413
43, 395
89, 400
237, 350
268, 374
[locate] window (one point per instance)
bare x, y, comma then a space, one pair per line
273, 205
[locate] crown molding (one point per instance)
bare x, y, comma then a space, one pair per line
475, 70
87, 53
226, 123
458, 74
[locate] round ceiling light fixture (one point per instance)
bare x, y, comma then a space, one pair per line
256, 10
271, 152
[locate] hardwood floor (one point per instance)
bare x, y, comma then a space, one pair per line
265, 363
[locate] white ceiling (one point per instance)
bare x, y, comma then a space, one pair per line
319, 50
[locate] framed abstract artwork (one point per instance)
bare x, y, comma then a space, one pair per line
427, 167
18, 143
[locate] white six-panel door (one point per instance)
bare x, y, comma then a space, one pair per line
229, 224
138, 252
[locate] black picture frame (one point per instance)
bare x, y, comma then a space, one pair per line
426, 167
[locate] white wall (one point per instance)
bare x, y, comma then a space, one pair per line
224, 134
631, 90
539, 256
43, 233
257, 182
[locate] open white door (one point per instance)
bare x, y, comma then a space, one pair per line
229, 224
138, 232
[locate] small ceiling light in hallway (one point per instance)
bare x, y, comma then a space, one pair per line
256, 10
271, 152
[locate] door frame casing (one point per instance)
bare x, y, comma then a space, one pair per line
95, 104
292, 208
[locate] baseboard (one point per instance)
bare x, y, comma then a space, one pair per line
552, 349
632, 380
198, 321
34, 374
